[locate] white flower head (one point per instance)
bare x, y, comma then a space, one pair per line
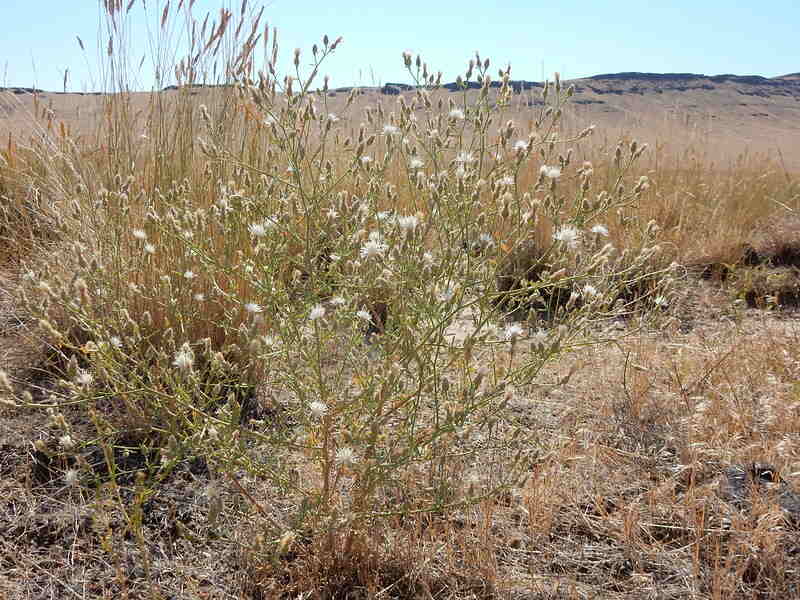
189, 275
567, 234
456, 113
318, 409
115, 341
550, 172
415, 163
590, 291
512, 332
540, 337
345, 456
465, 158
140, 234
408, 223
184, 358
506, 181
486, 240
365, 160
317, 312
600, 230
198, 297
257, 230
84, 378
338, 301
332, 118
71, 477
253, 308
521, 145
390, 130
446, 293
150, 248
373, 248
66, 442
364, 315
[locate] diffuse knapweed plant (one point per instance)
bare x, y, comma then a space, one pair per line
251, 272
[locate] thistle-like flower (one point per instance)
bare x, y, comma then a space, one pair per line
590, 291
71, 477
465, 158
84, 378
408, 223
446, 293
550, 172
345, 456
184, 358
568, 235
373, 248
257, 230
513, 331
540, 338
318, 409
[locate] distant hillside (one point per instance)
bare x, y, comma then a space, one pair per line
727, 114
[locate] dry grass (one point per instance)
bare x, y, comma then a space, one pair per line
309, 385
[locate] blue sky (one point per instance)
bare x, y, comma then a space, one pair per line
577, 38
